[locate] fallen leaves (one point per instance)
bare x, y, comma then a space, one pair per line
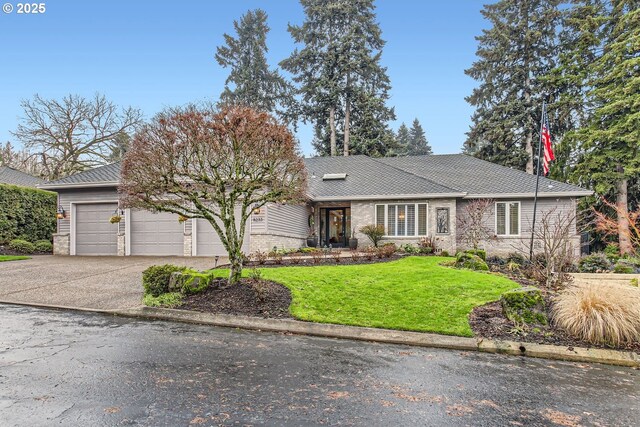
562, 418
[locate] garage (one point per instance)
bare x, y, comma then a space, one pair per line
155, 234
94, 234
207, 242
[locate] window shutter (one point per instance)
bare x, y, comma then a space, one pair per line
380, 215
422, 219
501, 219
391, 220
411, 220
514, 218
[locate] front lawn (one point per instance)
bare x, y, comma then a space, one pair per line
413, 293
12, 258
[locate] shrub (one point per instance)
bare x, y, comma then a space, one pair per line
355, 256
471, 262
26, 213
295, 257
155, 279
194, 282
43, 246
373, 232
317, 256
336, 256
276, 256
260, 257
516, 257
612, 252
22, 246
444, 253
495, 260
369, 253
524, 305
594, 263
408, 248
599, 314
480, 252
622, 267
255, 274
168, 299
427, 245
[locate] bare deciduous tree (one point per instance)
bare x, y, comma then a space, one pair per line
74, 133
214, 165
472, 221
554, 247
21, 160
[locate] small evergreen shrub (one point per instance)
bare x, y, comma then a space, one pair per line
524, 305
496, 260
155, 279
594, 263
167, 300
43, 246
612, 252
22, 246
622, 267
516, 257
471, 262
445, 253
480, 252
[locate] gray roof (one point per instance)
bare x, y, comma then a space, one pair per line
13, 176
479, 178
368, 178
101, 175
430, 176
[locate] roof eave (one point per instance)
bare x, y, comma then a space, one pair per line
79, 185
385, 197
577, 193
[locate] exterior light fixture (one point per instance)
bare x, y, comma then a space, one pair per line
60, 213
257, 211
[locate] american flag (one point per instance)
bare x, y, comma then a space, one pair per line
545, 136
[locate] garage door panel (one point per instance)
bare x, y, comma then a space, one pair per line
155, 234
94, 234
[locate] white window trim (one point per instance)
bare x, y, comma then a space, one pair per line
507, 222
386, 214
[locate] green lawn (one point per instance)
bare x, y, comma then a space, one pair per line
413, 293
12, 258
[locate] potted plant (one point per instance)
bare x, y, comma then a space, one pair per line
312, 239
353, 240
182, 218
115, 219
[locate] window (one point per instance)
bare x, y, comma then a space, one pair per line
442, 220
508, 218
403, 219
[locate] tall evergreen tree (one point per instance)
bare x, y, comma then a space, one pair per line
514, 55
342, 87
251, 82
418, 143
402, 140
611, 140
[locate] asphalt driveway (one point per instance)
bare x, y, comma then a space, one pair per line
89, 282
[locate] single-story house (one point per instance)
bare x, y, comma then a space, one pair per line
411, 197
11, 176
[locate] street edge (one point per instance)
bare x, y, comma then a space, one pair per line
389, 336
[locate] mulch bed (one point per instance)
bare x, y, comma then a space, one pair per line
257, 298
488, 321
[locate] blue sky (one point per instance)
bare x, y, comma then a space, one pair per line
153, 54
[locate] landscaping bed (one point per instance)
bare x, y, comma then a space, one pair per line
489, 321
249, 297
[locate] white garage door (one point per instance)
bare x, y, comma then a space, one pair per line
208, 242
155, 234
94, 234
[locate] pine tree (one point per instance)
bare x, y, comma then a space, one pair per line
251, 82
401, 143
342, 87
418, 144
514, 55
611, 140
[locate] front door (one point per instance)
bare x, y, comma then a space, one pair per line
335, 227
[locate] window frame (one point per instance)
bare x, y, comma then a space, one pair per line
416, 219
448, 220
507, 223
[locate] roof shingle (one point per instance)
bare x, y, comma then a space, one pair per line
13, 176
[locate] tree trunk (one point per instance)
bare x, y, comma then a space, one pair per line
347, 118
622, 209
332, 126
235, 260
529, 148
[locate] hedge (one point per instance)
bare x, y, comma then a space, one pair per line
26, 213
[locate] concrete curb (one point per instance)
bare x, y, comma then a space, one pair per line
421, 339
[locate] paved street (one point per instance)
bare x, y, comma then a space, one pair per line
63, 368
89, 282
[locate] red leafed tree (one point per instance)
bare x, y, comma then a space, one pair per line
218, 165
625, 226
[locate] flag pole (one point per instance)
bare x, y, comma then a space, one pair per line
535, 197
